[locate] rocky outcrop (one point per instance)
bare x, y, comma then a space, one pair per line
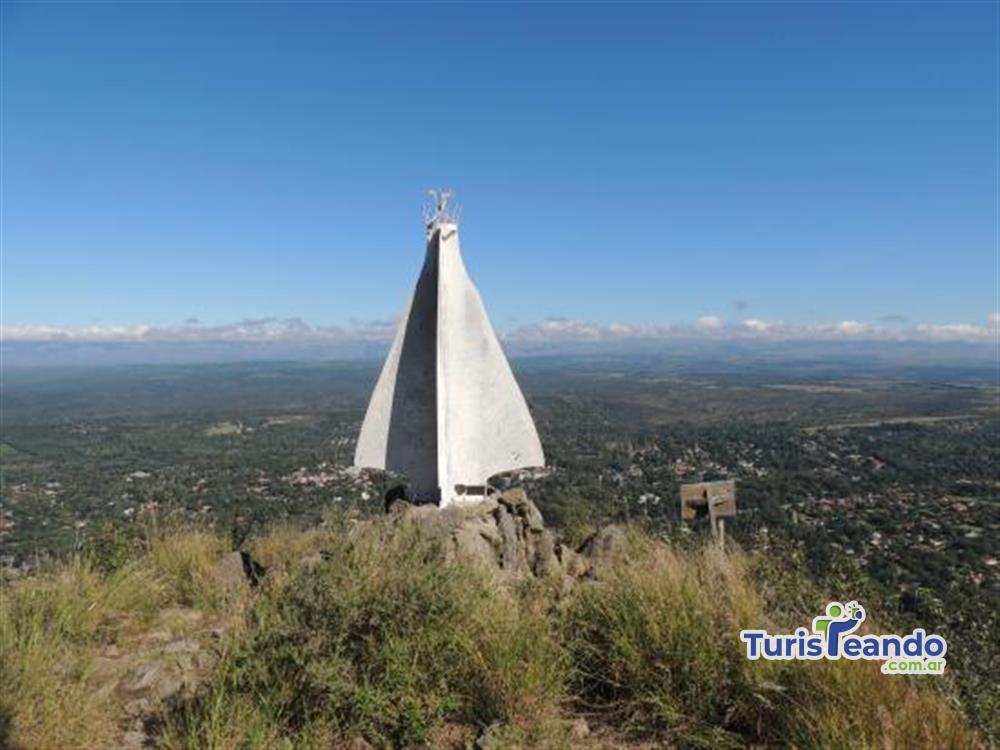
507, 535
149, 671
603, 548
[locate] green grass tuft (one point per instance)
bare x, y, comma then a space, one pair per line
381, 639
655, 647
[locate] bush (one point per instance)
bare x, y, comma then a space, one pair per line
852, 704
656, 647
110, 548
50, 629
382, 641
656, 644
53, 625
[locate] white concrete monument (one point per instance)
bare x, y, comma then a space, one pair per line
446, 410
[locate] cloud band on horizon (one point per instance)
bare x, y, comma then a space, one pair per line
550, 330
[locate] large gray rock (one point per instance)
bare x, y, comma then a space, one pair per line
572, 563
517, 503
478, 540
505, 535
513, 557
603, 548
169, 663
544, 562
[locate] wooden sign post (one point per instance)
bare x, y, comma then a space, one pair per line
717, 500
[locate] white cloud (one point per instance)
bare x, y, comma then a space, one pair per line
711, 326
78, 333
852, 328
563, 329
560, 329
708, 323
954, 331
191, 330
295, 330
760, 326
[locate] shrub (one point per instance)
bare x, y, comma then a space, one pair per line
655, 646
845, 703
50, 629
384, 641
110, 548
53, 625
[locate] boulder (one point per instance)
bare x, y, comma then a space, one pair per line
156, 680
504, 534
603, 548
544, 562
572, 563
478, 541
516, 501
236, 571
513, 557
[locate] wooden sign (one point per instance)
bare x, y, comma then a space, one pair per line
717, 500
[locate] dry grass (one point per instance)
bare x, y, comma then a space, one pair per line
184, 560
513, 665
656, 647
844, 703
284, 546
384, 640
50, 630
53, 626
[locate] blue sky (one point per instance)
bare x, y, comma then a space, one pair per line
617, 164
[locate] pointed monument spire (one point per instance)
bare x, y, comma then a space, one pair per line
446, 410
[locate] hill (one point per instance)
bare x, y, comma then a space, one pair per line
422, 628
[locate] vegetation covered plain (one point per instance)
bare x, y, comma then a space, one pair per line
854, 482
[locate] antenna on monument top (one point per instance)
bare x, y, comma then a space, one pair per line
439, 213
